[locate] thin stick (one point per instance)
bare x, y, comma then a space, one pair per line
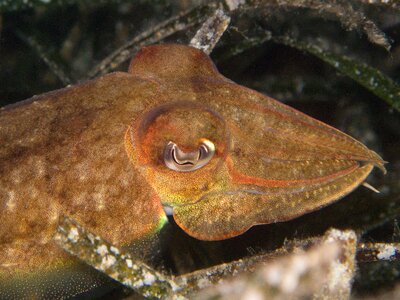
210, 33
53, 66
140, 277
156, 34
368, 252
110, 260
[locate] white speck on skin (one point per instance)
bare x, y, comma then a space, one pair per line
11, 203
40, 167
99, 199
387, 252
102, 250
53, 214
73, 234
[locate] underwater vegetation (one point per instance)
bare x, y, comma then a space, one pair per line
337, 61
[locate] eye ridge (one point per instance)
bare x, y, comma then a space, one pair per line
178, 160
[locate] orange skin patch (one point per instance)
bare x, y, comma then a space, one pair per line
243, 179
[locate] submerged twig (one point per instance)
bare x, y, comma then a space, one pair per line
276, 271
156, 34
210, 276
350, 18
369, 77
385, 3
138, 276
246, 43
324, 271
369, 252
112, 261
53, 66
210, 32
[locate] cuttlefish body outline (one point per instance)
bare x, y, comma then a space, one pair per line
101, 153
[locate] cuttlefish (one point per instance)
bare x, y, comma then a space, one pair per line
171, 134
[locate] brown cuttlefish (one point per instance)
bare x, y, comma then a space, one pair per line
173, 133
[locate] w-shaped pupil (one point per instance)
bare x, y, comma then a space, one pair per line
183, 158
178, 160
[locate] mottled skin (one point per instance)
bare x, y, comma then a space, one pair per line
94, 152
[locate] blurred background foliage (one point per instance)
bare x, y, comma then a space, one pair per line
338, 61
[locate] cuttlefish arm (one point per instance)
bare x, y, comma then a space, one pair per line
63, 153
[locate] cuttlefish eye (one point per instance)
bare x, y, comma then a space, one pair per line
180, 136
181, 161
180, 148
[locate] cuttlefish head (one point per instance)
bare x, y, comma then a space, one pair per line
180, 148
230, 158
